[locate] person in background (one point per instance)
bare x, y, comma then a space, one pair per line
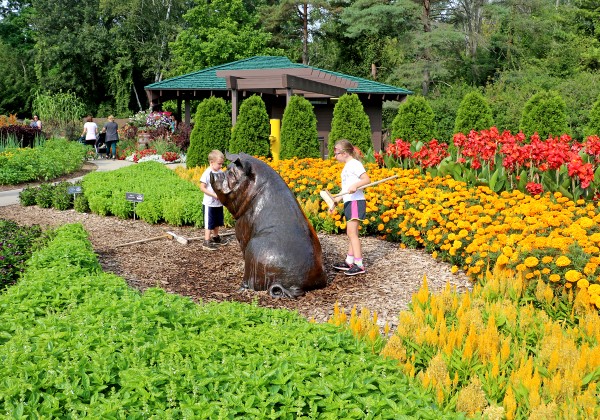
354, 176
90, 131
36, 123
112, 137
212, 207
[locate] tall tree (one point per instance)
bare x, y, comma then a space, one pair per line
218, 32
293, 24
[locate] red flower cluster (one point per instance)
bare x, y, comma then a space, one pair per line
144, 152
534, 188
170, 156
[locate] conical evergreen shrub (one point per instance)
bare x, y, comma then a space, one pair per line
474, 113
350, 122
593, 126
299, 136
212, 130
252, 130
544, 113
415, 121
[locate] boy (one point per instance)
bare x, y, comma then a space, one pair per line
212, 207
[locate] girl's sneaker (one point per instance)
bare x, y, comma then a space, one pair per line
342, 266
354, 270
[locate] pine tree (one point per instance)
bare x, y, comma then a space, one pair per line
544, 113
474, 113
350, 122
299, 136
252, 130
415, 121
212, 130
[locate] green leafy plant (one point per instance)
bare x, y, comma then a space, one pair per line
15, 248
44, 196
28, 196
60, 113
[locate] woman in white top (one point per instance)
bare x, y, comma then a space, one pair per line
90, 131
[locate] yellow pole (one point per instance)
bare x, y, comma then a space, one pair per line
275, 139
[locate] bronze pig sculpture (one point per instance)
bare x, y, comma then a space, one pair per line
282, 253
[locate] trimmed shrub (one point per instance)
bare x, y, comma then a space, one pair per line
593, 127
474, 113
80, 203
27, 196
15, 249
251, 132
350, 122
61, 199
44, 196
299, 136
212, 130
546, 114
415, 121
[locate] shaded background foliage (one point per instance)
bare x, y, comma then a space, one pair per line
106, 51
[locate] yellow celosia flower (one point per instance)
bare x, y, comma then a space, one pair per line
531, 262
563, 261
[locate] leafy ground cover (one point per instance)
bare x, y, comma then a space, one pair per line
49, 160
75, 341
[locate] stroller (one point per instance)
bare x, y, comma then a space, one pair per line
99, 145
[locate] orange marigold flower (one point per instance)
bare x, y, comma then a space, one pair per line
531, 262
563, 261
572, 276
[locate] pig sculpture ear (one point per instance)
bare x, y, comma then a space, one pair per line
232, 157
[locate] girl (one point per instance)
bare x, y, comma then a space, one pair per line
355, 206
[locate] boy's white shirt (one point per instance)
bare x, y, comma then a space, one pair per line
351, 173
205, 179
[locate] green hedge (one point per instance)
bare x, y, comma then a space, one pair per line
77, 342
167, 197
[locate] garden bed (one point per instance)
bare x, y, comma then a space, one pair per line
393, 274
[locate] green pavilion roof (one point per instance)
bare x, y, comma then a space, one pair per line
207, 79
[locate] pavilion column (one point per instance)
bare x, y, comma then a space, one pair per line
234, 106
288, 95
179, 108
188, 108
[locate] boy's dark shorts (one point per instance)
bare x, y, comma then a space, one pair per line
213, 217
355, 210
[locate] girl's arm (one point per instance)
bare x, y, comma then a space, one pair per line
363, 180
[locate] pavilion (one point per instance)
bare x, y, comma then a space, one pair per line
276, 79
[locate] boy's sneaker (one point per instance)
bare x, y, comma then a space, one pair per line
354, 270
342, 266
218, 240
210, 246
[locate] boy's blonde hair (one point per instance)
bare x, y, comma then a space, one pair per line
215, 155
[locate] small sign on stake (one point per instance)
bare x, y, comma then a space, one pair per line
76, 189
134, 198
